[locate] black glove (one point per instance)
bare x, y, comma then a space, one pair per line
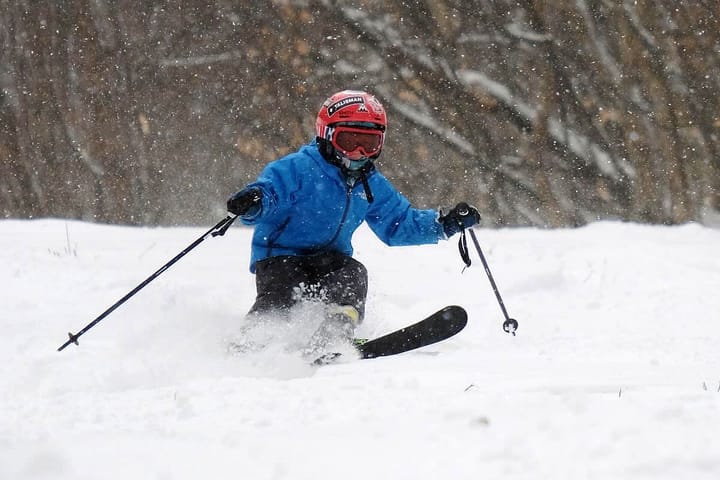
459, 218
246, 202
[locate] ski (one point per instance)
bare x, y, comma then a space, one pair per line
439, 326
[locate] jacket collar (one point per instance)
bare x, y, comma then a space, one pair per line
333, 171
313, 150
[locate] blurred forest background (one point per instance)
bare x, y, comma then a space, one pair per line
547, 113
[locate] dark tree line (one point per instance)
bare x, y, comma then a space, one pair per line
541, 113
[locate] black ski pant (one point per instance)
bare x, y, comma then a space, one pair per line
330, 277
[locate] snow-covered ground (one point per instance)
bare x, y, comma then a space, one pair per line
614, 373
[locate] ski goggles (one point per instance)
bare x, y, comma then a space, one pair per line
356, 143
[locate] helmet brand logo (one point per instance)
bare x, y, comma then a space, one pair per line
345, 102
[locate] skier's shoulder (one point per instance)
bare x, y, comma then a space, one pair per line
378, 180
301, 159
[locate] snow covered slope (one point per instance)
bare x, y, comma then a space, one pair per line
614, 373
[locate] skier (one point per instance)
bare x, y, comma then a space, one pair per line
306, 206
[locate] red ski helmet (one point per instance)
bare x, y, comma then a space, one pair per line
354, 123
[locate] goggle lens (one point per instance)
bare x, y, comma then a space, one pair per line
351, 141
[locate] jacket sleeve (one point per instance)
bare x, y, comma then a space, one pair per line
277, 181
396, 222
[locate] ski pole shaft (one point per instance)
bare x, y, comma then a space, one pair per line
489, 274
510, 324
219, 229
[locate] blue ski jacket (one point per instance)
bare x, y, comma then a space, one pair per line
311, 206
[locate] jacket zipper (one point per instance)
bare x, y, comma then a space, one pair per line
348, 197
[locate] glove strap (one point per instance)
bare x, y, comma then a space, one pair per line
463, 248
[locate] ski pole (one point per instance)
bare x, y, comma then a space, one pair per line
510, 325
219, 229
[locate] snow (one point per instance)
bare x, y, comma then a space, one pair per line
614, 373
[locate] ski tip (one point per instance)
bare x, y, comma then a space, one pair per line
453, 308
454, 312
